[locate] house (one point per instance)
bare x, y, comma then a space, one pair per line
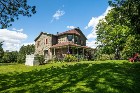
69, 42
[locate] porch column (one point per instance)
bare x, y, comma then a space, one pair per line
73, 50
68, 50
83, 52
77, 50
54, 51
50, 53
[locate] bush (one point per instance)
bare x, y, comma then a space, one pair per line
40, 58
70, 58
104, 57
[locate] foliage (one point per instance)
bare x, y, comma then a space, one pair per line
70, 58
119, 32
111, 34
129, 11
1, 51
12, 9
25, 50
81, 77
104, 57
40, 58
10, 57
132, 46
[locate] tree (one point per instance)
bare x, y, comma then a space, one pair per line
11, 9
129, 16
119, 32
1, 51
130, 13
111, 34
25, 50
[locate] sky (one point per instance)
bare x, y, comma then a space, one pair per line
55, 16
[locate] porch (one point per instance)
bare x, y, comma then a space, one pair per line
61, 50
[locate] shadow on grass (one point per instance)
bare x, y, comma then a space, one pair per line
78, 78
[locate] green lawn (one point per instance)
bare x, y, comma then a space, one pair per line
81, 77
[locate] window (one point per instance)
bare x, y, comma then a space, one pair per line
76, 39
46, 41
70, 37
82, 42
38, 43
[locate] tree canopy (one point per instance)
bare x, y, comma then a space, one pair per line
11, 9
119, 32
29, 49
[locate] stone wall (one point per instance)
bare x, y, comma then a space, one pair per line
41, 45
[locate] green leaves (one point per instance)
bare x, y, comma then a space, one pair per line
29, 49
11, 9
119, 32
1, 51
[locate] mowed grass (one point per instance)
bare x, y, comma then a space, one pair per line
81, 77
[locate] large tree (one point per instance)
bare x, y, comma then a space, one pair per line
11, 9
119, 31
111, 34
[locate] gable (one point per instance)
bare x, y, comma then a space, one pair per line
42, 33
80, 32
38, 36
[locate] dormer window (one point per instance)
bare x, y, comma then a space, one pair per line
70, 37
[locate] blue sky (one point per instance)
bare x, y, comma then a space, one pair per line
56, 16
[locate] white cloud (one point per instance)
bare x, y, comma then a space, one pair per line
93, 23
12, 39
91, 35
95, 20
91, 44
70, 27
18, 30
58, 14
14, 29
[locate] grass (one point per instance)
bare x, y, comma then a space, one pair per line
82, 77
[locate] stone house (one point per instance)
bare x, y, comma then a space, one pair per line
69, 42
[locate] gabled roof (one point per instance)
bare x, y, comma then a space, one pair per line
76, 31
72, 31
41, 34
79, 31
64, 44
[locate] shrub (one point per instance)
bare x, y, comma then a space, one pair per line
40, 58
70, 58
104, 57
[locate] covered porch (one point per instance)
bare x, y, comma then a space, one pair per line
62, 49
